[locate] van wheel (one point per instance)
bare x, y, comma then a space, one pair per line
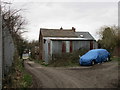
93, 62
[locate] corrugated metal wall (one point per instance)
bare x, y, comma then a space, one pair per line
47, 50
56, 47
45, 56
67, 46
81, 44
95, 45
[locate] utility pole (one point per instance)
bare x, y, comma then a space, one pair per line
1, 51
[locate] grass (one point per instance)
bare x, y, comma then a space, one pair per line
26, 80
23, 78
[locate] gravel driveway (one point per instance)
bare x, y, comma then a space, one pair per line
103, 75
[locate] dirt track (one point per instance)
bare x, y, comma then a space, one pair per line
98, 76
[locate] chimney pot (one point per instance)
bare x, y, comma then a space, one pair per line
61, 28
73, 29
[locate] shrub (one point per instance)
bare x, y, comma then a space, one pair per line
67, 59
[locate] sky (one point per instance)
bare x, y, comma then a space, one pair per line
84, 15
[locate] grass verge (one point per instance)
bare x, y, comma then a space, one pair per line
17, 77
26, 80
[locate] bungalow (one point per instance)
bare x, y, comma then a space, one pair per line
57, 41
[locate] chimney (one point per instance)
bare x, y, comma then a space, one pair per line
61, 28
73, 29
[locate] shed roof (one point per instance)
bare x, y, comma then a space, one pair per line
57, 38
58, 33
65, 33
84, 35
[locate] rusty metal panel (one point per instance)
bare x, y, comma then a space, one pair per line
71, 47
63, 47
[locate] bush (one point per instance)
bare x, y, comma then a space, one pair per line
67, 59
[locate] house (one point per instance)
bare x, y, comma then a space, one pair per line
57, 41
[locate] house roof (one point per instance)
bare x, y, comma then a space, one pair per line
57, 33
65, 33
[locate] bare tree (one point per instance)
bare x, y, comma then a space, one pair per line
15, 23
13, 20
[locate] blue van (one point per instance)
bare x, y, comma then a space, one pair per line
94, 56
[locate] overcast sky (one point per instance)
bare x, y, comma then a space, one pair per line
83, 15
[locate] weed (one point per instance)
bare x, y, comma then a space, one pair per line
41, 62
26, 80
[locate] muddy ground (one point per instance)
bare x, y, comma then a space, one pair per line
103, 75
